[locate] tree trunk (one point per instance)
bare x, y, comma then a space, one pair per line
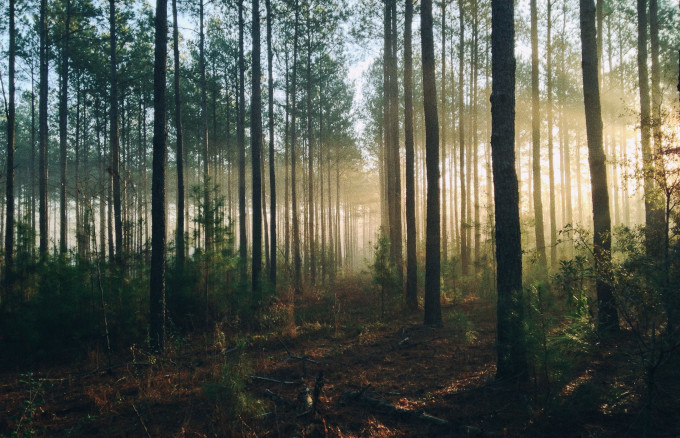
42, 128
310, 161
536, 141
11, 122
551, 163
179, 145
243, 248
433, 314
207, 208
272, 174
653, 220
255, 149
158, 209
608, 319
63, 120
461, 140
115, 142
512, 362
411, 234
444, 238
297, 274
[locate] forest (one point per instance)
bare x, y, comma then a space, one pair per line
340, 218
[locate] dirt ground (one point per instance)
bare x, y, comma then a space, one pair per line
365, 375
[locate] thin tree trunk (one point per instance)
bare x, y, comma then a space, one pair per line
433, 314
113, 135
297, 274
63, 119
551, 163
536, 142
411, 234
207, 208
11, 122
272, 174
444, 238
243, 248
461, 140
42, 127
179, 237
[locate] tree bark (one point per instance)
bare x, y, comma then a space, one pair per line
297, 262
464, 260
255, 150
551, 161
42, 128
411, 234
536, 142
240, 134
272, 174
607, 314
63, 133
512, 362
179, 145
158, 209
11, 122
114, 137
433, 315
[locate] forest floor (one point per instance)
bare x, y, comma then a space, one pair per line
366, 375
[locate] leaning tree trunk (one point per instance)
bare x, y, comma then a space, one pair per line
158, 209
433, 314
608, 319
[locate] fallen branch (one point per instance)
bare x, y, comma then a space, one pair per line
277, 398
411, 415
281, 382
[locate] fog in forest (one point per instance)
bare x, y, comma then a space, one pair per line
314, 179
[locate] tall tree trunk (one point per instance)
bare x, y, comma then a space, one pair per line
179, 145
255, 149
158, 209
11, 122
42, 128
653, 225
63, 125
608, 319
461, 140
310, 160
297, 262
536, 141
411, 234
433, 314
551, 161
444, 238
240, 134
272, 174
207, 208
113, 135
512, 362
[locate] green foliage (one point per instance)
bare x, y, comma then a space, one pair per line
231, 399
24, 426
384, 272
